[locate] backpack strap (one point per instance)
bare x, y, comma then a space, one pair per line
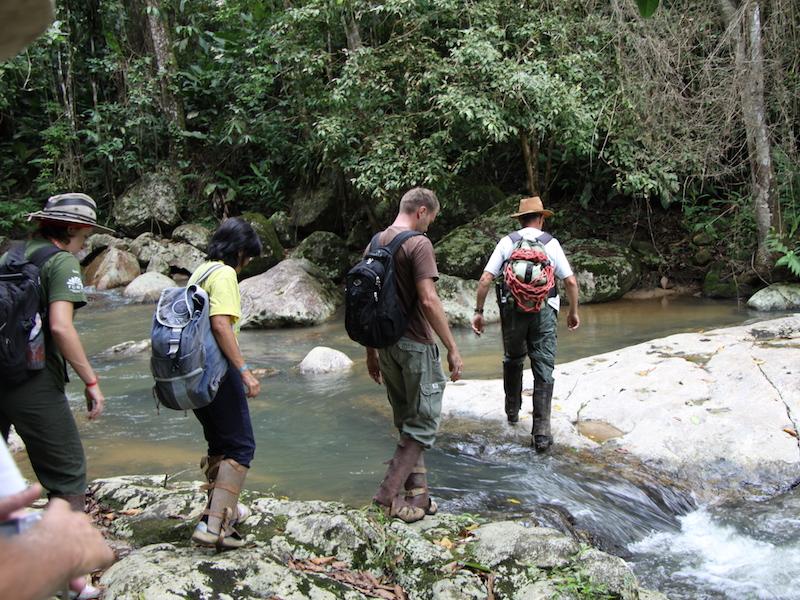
374, 242
42, 255
544, 239
515, 236
398, 240
208, 272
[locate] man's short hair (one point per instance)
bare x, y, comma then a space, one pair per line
529, 218
418, 197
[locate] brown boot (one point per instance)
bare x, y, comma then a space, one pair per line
417, 488
77, 502
388, 495
218, 529
542, 399
209, 465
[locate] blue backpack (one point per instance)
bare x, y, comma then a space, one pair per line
186, 362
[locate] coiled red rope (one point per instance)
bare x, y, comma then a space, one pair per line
530, 297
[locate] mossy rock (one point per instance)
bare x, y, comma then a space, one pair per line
720, 283
327, 251
464, 251
464, 202
283, 228
272, 252
605, 270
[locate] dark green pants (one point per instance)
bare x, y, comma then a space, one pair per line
39, 411
415, 382
531, 334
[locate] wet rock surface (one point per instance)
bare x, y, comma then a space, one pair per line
319, 549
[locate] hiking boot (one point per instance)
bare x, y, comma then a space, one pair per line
216, 528
512, 385
209, 465
405, 457
416, 488
542, 400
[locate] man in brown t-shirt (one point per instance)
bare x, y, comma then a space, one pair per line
411, 368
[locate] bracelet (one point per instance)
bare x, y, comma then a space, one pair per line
244, 367
478, 311
91, 384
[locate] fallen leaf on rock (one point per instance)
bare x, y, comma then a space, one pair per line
790, 431
131, 512
758, 361
645, 372
445, 543
514, 501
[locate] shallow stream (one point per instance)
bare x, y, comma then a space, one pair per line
326, 437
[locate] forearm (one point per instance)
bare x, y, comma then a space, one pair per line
484, 284
571, 287
26, 580
434, 312
69, 344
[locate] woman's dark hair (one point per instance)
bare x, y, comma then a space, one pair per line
233, 236
51, 230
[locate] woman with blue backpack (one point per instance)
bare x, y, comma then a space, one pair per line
226, 420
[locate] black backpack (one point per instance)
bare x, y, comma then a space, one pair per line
21, 310
374, 316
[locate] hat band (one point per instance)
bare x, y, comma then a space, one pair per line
59, 201
61, 214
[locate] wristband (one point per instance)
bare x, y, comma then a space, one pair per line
478, 311
244, 367
91, 384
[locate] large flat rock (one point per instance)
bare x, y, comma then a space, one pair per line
717, 410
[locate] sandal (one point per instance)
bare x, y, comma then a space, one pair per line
432, 507
406, 512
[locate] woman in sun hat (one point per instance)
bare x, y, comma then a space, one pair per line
38, 407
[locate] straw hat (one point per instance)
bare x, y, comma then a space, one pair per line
21, 22
75, 208
532, 205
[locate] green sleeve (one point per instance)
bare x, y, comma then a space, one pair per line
61, 279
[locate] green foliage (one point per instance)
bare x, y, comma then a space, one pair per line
647, 8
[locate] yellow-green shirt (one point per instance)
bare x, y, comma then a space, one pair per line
222, 287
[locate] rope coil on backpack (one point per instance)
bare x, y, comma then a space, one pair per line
530, 297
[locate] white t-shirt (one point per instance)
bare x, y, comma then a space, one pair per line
554, 251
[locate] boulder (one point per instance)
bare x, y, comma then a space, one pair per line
465, 251
326, 551
193, 234
153, 203
147, 287
126, 349
100, 241
146, 246
778, 296
292, 293
272, 251
605, 271
327, 251
324, 360
183, 257
720, 282
310, 206
458, 299
283, 228
112, 268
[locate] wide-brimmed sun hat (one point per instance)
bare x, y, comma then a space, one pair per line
528, 206
73, 207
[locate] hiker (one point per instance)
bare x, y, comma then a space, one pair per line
532, 333
60, 546
410, 368
226, 421
38, 407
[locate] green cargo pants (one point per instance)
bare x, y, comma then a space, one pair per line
414, 380
534, 334
39, 411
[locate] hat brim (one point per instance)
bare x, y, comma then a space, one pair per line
43, 216
544, 212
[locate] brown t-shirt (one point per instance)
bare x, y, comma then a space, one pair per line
414, 260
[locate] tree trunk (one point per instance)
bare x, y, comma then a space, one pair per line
165, 63
351, 30
530, 156
745, 27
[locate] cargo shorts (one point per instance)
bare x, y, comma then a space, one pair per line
414, 379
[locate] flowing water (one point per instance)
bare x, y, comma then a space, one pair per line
326, 437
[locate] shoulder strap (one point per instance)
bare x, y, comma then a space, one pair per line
208, 272
399, 239
40, 256
374, 242
544, 239
515, 236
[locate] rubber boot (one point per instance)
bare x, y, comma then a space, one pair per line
417, 488
218, 529
209, 465
512, 385
542, 400
405, 457
77, 502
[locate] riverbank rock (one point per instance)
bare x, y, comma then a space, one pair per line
271, 248
458, 299
129, 348
778, 296
605, 271
112, 268
715, 411
292, 293
153, 203
324, 360
326, 550
193, 234
327, 251
147, 287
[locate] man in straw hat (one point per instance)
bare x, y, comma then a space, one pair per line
37, 406
529, 327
